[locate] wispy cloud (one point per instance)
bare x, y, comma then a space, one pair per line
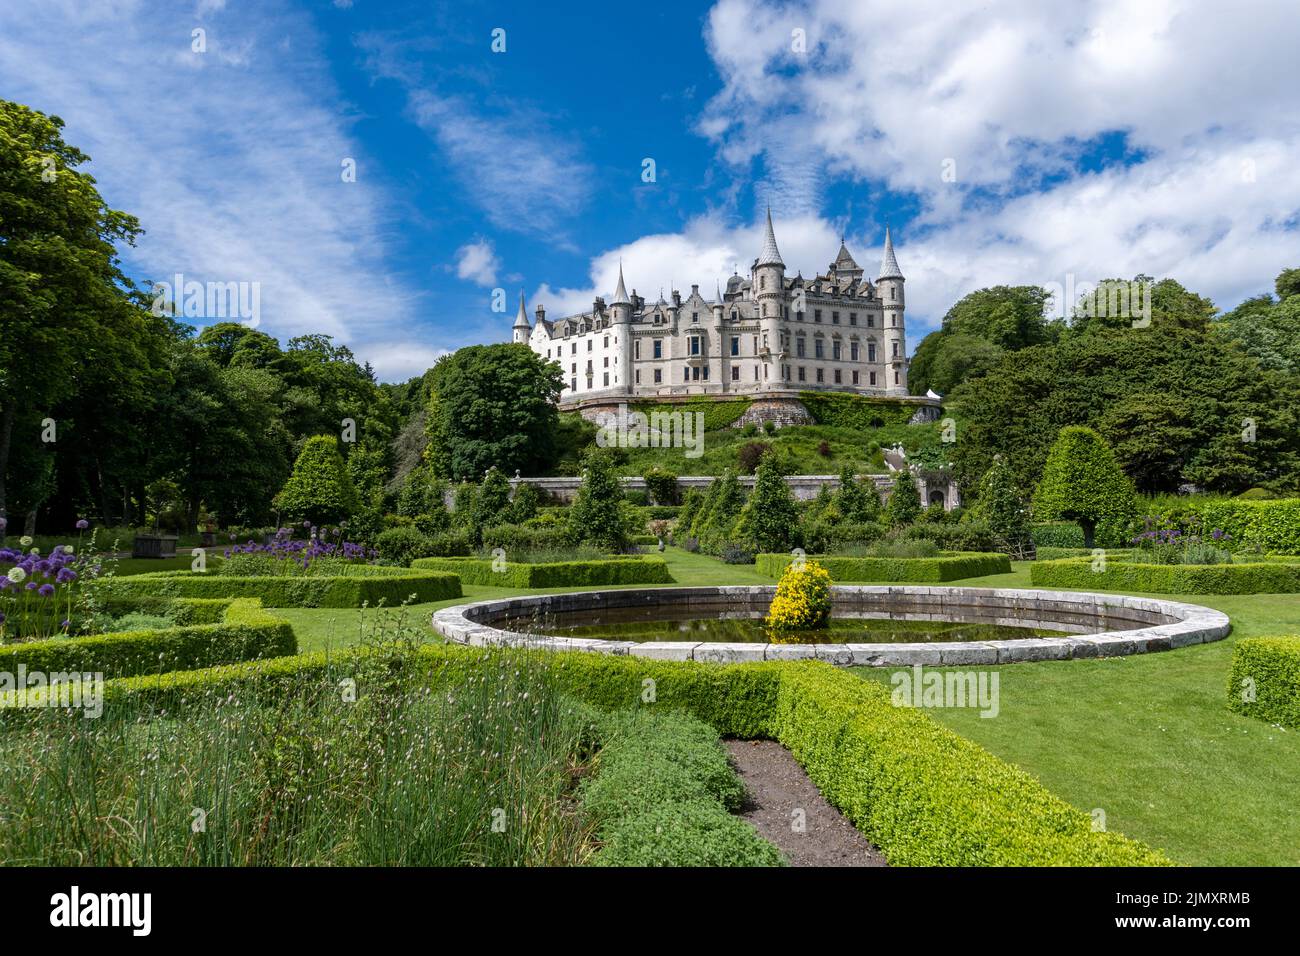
477, 262
231, 158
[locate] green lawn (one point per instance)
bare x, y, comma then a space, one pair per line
1147, 739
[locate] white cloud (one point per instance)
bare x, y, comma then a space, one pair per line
477, 261
230, 159
402, 360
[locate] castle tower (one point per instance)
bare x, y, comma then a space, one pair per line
521, 328
769, 294
620, 308
720, 351
889, 285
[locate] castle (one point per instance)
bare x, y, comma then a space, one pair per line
767, 334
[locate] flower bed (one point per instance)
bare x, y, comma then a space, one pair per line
245, 632
559, 574
1126, 574
360, 584
1264, 681
948, 802
945, 567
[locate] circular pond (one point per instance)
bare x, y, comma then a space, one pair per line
871, 625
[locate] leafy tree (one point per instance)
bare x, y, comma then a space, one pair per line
857, 500
1000, 506
1083, 482
492, 503
596, 516
769, 520
494, 405
726, 506
526, 503
904, 505
319, 490
1287, 284
65, 305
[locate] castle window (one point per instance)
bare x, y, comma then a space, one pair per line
573, 384
837, 377
764, 341
893, 293
762, 282
606, 361
873, 378
659, 348
590, 343
659, 376
606, 379
853, 318
573, 348
607, 341
735, 345
756, 373
636, 349
893, 349
799, 347
871, 321
835, 318
733, 315
895, 378
871, 353
706, 373
853, 352
821, 375
803, 374
735, 373
574, 370
695, 316
798, 316
855, 378
695, 344
835, 351
638, 376
817, 315
893, 321
819, 350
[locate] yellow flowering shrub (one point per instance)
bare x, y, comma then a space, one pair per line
802, 601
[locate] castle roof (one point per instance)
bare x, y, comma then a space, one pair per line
889, 265
844, 262
771, 255
620, 294
521, 319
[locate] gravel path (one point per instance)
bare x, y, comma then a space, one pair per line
778, 787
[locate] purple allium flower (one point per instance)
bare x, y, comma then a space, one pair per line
65, 575
64, 623
82, 524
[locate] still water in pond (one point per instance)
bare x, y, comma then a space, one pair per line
662, 624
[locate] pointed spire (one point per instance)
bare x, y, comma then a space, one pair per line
771, 255
718, 294
889, 265
521, 319
620, 294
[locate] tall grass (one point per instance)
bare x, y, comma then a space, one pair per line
475, 772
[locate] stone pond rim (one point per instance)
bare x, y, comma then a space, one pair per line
1101, 625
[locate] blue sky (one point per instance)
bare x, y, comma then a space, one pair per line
1016, 142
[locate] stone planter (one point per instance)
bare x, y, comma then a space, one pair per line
154, 546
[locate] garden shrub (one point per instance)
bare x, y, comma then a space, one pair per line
449, 543
945, 567
904, 504
769, 520
402, 545
515, 538
1269, 526
733, 553
558, 574
750, 454
662, 486
855, 411
662, 792
597, 516
319, 490
362, 584
803, 599
1126, 574
1082, 481
970, 535
247, 633
1264, 680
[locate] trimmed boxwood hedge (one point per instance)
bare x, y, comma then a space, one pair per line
1270, 526
920, 792
245, 633
663, 792
1122, 574
363, 584
945, 567
1270, 667
559, 574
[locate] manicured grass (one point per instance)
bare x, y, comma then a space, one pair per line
1147, 739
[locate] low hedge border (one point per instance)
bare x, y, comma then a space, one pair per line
1264, 679
246, 632
559, 574
376, 584
921, 793
1126, 575
946, 567
663, 795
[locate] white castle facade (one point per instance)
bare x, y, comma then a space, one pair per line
769, 333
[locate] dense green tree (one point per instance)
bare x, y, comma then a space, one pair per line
494, 405
1082, 481
857, 500
492, 503
1001, 507
319, 490
769, 521
904, 505
596, 516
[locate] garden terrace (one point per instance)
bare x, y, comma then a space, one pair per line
943, 567
1100, 625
